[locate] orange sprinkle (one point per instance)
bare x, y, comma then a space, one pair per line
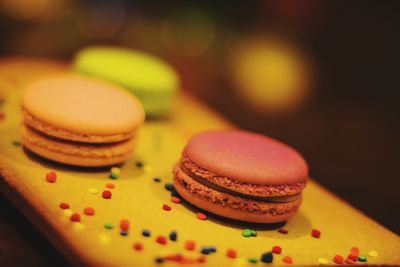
89, 211
175, 200
201, 216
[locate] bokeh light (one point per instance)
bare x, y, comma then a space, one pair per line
101, 20
188, 32
269, 74
23, 9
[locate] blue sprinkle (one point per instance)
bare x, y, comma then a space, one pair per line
208, 249
157, 179
267, 257
169, 186
173, 235
123, 233
146, 233
174, 193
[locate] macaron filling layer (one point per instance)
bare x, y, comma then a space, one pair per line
245, 189
232, 201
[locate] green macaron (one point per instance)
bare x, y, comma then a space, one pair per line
153, 81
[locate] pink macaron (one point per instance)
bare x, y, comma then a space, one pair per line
241, 175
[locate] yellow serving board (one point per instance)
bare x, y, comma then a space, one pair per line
139, 199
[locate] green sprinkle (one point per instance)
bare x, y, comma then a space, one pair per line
362, 258
246, 233
113, 176
16, 143
253, 233
108, 226
139, 164
252, 259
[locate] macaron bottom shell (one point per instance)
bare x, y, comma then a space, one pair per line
271, 212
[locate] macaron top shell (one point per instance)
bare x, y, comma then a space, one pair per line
247, 157
132, 69
81, 104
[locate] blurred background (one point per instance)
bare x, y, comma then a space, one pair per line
321, 76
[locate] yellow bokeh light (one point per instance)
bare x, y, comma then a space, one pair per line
23, 9
270, 75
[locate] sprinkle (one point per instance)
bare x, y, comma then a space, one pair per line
104, 239
123, 233
139, 164
159, 260
51, 177
287, 260
252, 259
315, 233
169, 186
208, 249
75, 217
283, 231
16, 143
373, 253
338, 259
64, 205
161, 240
106, 194
138, 246
190, 245
110, 186
349, 261
246, 233
108, 226
267, 257
68, 212
201, 216
201, 259
114, 173
174, 193
173, 236
146, 233
157, 179
2, 115
231, 253
276, 249
362, 258
113, 176
323, 261
89, 211
124, 225
253, 233
94, 190
175, 200
355, 251
352, 257
166, 207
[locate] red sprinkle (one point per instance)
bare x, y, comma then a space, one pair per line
190, 245
201, 216
349, 261
51, 177
231, 253
355, 251
352, 257
138, 246
276, 249
283, 231
338, 259
161, 240
106, 194
2, 115
75, 217
166, 207
175, 200
315, 233
89, 211
64, 205
110, 186
124, 225
201, 259
287, 260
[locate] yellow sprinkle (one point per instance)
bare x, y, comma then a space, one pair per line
148, 168
373, 253
104, 239
79, 226
93, 190
68, 212
240, 262
323, 261
115, 170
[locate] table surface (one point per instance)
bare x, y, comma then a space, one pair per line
138, 198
